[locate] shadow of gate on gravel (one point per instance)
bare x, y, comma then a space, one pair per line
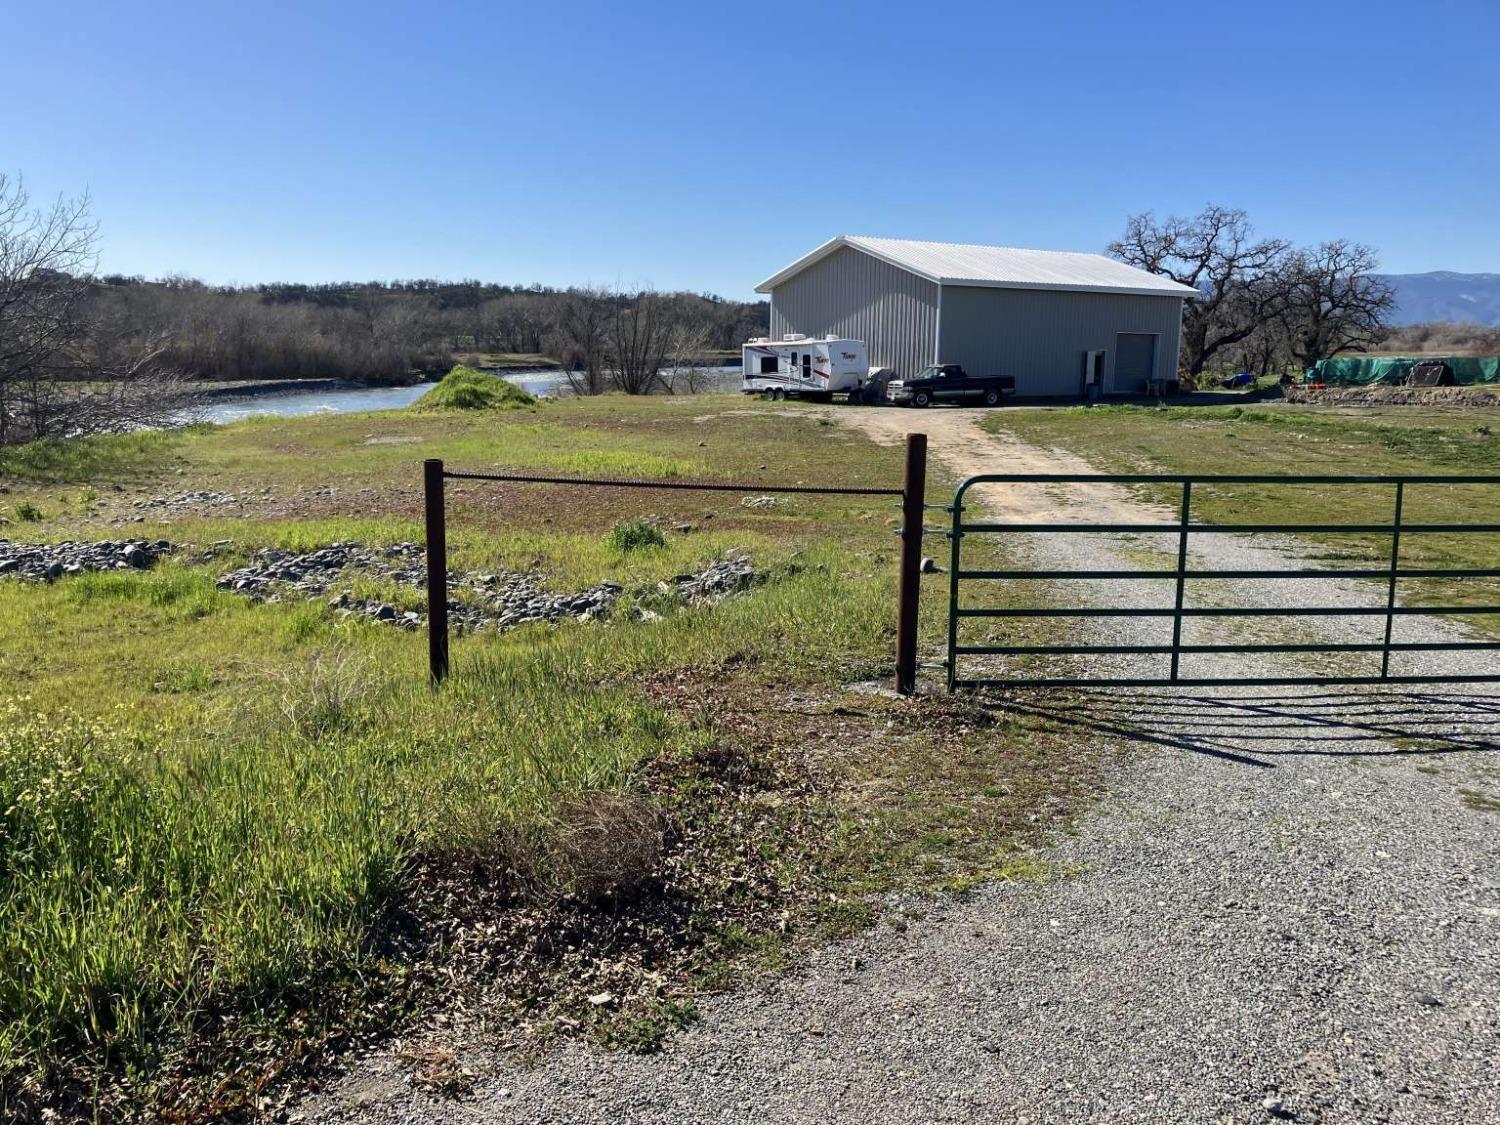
1249, 729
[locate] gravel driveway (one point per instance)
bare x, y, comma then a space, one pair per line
1286, 907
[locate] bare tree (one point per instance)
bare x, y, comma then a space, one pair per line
45, 259
63, 372
1215, 252
582, 335
1443, 338
1331, 301
640, 338
1263, 353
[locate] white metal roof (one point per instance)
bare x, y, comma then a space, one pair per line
1000, 267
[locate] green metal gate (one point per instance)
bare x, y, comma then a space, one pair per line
1389, 575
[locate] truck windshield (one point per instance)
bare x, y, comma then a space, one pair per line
929, 373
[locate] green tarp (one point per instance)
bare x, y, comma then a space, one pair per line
1354, 369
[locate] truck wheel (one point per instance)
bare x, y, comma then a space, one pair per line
921, 398
992, 397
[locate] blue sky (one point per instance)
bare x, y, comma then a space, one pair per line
703, 146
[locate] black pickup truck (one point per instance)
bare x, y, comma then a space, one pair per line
948, 382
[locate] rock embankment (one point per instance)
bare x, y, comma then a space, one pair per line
502, 600
311, 572
46, 562
1382, 395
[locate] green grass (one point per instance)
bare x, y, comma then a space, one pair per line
237, 851
1307, 440
463, 388
115, 456
209, 804
152, 870
635, 535
1480, 801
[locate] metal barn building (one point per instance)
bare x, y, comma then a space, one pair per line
1052, 320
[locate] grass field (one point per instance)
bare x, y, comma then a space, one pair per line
212, 807
1308, 440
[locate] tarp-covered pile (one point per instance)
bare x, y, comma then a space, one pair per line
1394, 369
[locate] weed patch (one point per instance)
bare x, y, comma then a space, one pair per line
636, 535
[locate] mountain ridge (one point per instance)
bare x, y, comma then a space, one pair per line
1445, 295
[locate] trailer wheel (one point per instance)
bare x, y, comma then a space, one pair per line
777, 394
921, 398
856, 396
992, 397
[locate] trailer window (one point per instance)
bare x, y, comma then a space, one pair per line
768, 365
807, 365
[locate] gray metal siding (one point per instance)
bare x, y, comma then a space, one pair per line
851, 294
1135, 354
1040, 337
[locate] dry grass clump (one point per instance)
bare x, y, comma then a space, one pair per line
605, 845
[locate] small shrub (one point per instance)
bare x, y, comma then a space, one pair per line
27, 512
330, 693
606, 844
463, 388
635, 535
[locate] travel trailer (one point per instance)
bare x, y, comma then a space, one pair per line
798, 366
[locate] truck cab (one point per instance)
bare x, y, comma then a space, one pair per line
949, 382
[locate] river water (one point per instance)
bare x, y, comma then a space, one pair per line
348, 400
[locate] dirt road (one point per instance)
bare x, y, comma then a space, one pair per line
956, 442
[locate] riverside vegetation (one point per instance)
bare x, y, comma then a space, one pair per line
240, 837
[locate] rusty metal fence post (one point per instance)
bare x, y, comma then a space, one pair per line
913, 497
437, 570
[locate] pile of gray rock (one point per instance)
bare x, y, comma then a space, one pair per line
203, 498
504, 600
729, 575
517, 599
46, 562
313, 572
497, 601
477, 601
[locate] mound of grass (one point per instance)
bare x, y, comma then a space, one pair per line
103, 457
463, 388
635, 535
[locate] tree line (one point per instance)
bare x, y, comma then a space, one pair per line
395, 331
1264, 305
82, 353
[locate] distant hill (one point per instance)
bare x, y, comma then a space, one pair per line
1465, 298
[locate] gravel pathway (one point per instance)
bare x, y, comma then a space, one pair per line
1286, 907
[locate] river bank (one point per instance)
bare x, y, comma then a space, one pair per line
224, 402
